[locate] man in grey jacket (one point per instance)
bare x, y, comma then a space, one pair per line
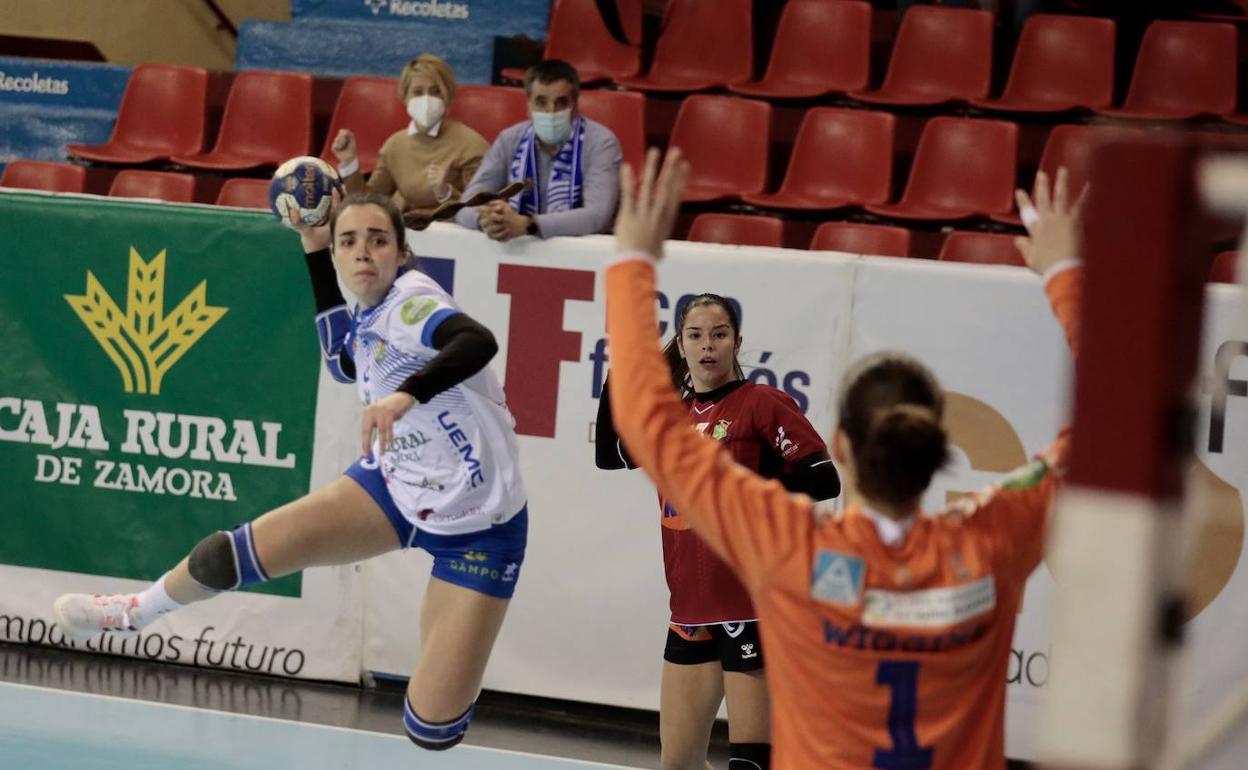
574, 164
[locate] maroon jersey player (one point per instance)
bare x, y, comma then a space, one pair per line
713, 649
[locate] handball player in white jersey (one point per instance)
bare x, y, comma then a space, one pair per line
439, 471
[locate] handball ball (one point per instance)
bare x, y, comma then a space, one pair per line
304, 185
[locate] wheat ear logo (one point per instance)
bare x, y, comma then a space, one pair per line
143, 343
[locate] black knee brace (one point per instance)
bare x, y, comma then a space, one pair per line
211, 563
749, 756
224, 561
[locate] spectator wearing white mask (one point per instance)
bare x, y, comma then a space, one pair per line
573, 161
431, 160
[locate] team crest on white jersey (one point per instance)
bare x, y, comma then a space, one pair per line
837, 577
417, 309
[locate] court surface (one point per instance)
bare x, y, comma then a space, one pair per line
54, 729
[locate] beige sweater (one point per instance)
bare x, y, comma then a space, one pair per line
404, 159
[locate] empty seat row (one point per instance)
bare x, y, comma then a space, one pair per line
962, 167
268, 118
844, 158
822, 47
886, 241
167, 186
853, 238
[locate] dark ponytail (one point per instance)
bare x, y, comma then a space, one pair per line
891, 409
679, 367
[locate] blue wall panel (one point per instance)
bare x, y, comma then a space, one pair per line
41, 133
341, 48
487, 17
47, 83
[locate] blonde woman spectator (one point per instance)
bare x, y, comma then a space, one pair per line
430, 161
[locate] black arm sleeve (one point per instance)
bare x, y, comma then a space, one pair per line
609, 452
464, 348
333, 320
324, 280
814, 475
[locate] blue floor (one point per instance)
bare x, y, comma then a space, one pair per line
59, 730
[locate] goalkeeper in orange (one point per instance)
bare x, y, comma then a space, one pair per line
887, 630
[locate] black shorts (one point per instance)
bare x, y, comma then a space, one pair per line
735, 646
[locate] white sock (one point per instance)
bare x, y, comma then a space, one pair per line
153, 602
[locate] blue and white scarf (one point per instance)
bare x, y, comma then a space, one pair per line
565, 190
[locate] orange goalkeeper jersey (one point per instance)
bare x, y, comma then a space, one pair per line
877, 656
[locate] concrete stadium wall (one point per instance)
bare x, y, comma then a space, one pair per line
135, 31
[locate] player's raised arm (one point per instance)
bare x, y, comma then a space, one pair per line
751, 522
333, 318
1016, 510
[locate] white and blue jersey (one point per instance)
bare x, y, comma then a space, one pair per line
453, 465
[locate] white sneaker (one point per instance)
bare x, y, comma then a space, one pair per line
82, 616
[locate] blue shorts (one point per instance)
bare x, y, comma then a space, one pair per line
486, 561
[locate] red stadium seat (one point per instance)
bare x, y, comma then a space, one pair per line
158, 185
981, 249
624, 113
1183, 69
840, 158
489, 109
738, 229
1223, 268
856, 238
941, 54
725, 140
578, 36
1061, 63
41, 175
821, 47
961, 168
267, 120
1069, 146
161, 115
704, 44
371, 109
244, 193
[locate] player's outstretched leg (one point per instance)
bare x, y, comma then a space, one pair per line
336, 524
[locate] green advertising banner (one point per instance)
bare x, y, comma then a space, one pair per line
160, 383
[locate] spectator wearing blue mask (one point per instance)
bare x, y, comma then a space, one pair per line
573, 161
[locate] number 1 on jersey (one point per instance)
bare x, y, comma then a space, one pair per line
902, 677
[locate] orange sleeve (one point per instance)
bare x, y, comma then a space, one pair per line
1065, 292
752, 523
1014, 513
